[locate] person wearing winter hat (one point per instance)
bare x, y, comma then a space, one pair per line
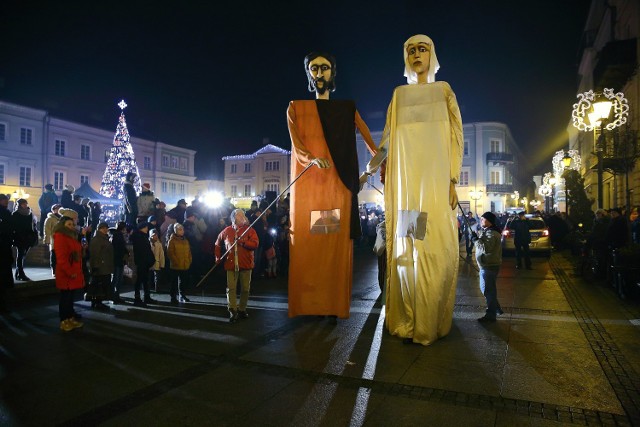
102, 266
145, 202
158, 254
489, 258
49, 224
47, 199
67, 196
144, 259
25, 235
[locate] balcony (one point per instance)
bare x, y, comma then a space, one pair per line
499, 188
499, 157
616, 63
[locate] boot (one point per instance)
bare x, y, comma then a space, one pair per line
233, 315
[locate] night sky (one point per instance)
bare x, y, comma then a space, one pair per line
217, 78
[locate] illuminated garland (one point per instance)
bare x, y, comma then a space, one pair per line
121, 161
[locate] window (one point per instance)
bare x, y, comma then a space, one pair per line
85, 152
58, 180
1, 174
495, 177
273, 187
26, 136
25, 176
247, 190
83, 179
61, 146
272, 166
495, 146
234, 190
3, 132
147, 163
181, 188
165, 161
164, 186
183, 164
466, 148
464, 179
247, 167
174, 162
106, 155
173, 188
234, 168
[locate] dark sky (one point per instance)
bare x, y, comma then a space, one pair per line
217, 78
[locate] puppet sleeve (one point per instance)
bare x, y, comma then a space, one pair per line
457, 139
366, 134
302, 155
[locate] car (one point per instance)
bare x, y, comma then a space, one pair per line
540, 239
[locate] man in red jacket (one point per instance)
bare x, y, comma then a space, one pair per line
238, 262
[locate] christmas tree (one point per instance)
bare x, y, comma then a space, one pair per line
121, 161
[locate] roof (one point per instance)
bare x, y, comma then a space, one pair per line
269, 148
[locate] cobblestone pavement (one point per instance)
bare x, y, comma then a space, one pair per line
566, 352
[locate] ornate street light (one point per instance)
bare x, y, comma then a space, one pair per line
597, 107
475, 196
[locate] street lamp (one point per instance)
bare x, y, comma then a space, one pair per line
515, 197
597, 107
475, 196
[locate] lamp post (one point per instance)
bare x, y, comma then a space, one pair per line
516, 198
475, 196
597, 107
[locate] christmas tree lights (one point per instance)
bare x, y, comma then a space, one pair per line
121, 161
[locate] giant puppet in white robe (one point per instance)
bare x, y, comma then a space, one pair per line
423, 143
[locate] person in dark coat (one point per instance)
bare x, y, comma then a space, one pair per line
46, 201
80, 209
6, 254
521, 240
120, 256
130, 200
101, 263
179, 211
25, 235
66, 200
617, 235
145, 260
96, 212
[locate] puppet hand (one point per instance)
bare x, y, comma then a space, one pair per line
453, 196
321, 163
364, 177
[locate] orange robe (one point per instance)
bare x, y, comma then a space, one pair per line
320, 264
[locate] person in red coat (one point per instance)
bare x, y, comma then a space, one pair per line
69, 276
239, 261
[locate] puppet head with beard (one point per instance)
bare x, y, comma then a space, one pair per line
328, 85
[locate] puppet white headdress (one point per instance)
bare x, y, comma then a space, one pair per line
434, 65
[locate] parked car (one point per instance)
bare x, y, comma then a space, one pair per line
540, 241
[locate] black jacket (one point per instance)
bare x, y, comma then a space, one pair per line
142, 252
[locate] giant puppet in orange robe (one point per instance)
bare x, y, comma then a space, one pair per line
324, 201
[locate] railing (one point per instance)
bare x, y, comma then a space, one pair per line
500, 157
499, 188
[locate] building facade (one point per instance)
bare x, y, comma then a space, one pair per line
609, 59
491, 168
251, 176
37, 149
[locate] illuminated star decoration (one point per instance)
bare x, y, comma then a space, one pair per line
121, 161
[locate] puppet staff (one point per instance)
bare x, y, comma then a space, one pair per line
252, 224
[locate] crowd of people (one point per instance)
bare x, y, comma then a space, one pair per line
164, 250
